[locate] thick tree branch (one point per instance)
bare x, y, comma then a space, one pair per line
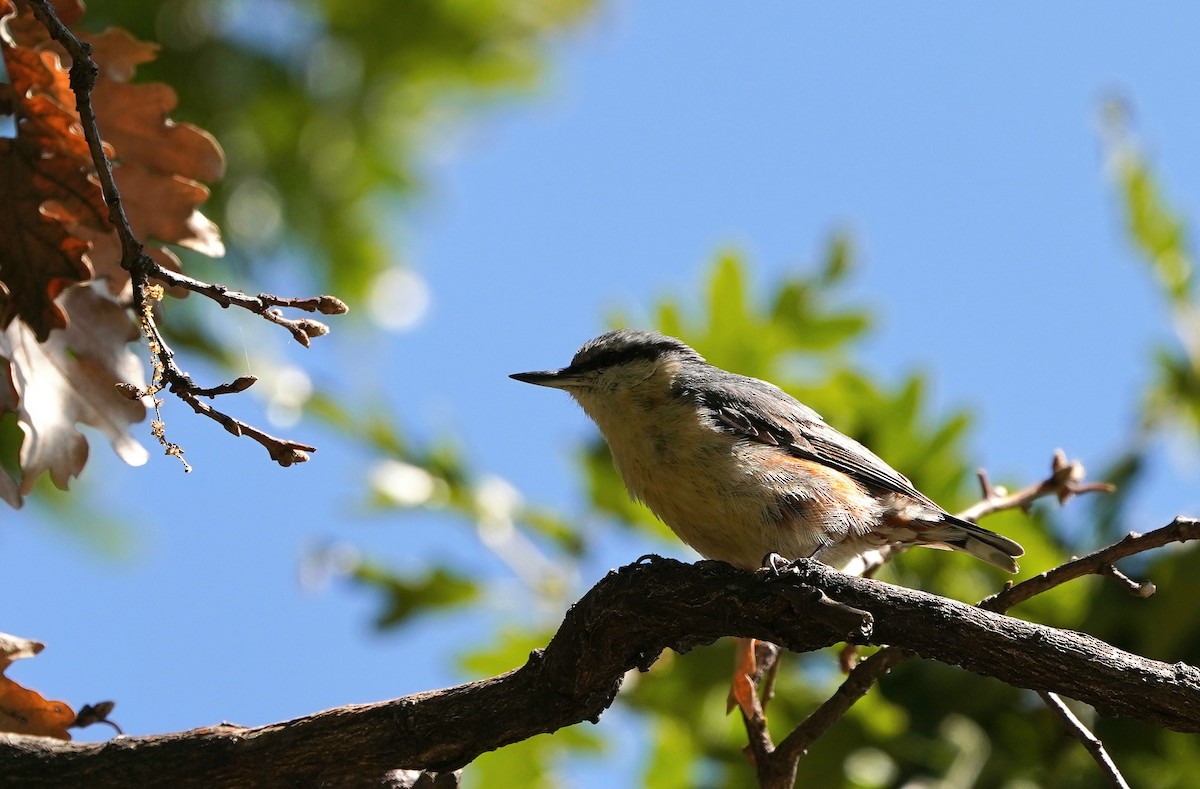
777, 765
624, 622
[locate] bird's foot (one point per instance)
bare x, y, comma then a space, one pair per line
778, 565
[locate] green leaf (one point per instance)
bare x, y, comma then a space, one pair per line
839, 259
1156, 229
405, 597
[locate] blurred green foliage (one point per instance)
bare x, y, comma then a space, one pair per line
1159, 235
327, 109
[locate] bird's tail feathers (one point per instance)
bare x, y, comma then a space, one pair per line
995, 549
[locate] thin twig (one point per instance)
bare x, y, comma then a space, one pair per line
1135, 588
1091, 742
264, 304
142, 268
856, 685
1064, 482
759, 745
1181, 529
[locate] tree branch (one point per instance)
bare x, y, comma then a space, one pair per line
1179, 530
142, 268
1065, 482
1079, 731
624, 622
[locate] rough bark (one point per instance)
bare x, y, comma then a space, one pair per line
624, 622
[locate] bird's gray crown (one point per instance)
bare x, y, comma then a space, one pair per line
625, 345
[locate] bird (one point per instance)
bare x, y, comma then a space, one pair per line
740, 470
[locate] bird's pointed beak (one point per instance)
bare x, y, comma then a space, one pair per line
555, 379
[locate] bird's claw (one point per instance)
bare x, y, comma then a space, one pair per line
776, 564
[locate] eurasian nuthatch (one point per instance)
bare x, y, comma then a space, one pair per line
739, 469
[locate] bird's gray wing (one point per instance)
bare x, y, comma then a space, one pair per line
762, 412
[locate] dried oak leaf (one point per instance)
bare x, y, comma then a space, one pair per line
14, 648
45, 178
71, 379
25, 30
158, 164
25, 711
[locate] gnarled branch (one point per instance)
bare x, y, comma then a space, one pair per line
624, 622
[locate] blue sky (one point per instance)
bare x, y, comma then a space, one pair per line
958, 145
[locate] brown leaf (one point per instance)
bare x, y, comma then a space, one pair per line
44, 175
63, 344
25, 711
134, 119
26, 31
71, 379
119, 54
162, 207
158, 163
39, 257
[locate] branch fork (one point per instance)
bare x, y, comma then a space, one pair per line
142, 269
776, 765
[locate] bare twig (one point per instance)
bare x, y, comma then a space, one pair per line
142, 268
758, 741
1064, 482
264, 305
1135, 588
860, 680
1181, 529
1079, 731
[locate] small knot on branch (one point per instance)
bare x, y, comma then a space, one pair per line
856, 623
